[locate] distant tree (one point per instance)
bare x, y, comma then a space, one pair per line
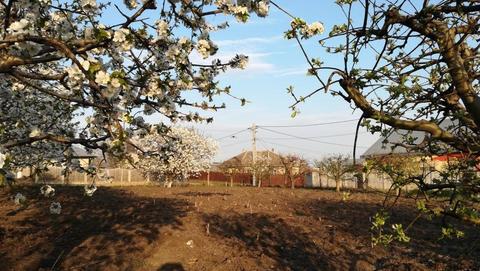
294, 166
263, 169
185, 153
231, 168
335, 167
400, 169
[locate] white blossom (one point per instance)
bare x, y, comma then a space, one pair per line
20, 199
35, 132
240, 12
162, 29
313, 29
131, 4
47, 191
115, 82
3, 157
102, 78
18, 27
203, 47
88, 3
90, 189
85, 64
262, 9
120, 37
55, 208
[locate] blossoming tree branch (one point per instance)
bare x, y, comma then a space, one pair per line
411, 65
59, 61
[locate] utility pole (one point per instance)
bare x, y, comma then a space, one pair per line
254, 154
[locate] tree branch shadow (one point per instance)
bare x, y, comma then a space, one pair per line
114, 228
288, 246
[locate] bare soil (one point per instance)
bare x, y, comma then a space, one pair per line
217, 228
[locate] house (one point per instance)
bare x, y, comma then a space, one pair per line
243, 162
390, 147
84, 157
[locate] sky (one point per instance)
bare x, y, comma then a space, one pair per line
274, 64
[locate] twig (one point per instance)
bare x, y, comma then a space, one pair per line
56, 261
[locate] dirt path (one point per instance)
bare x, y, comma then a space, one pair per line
152, 228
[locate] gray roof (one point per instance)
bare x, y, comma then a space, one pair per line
246, 158
79, 152
386, 145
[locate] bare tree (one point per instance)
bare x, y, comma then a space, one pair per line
263, 169
294, 166
335, 167
231, 168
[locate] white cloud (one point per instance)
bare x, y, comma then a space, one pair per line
291, 72
257, 62
253, 41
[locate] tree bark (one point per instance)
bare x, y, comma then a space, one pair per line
337, 185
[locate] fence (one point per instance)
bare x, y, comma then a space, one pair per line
117, 176
246, 179
375, 181
122, 176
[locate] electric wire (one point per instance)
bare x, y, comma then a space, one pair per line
308, 125
312, 140
232, 135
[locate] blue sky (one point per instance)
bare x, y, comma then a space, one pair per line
276, 63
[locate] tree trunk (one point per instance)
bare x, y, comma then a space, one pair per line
337, 185
231, 181
259, 183
365, 182
293, 182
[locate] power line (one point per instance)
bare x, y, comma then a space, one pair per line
231, 135
307, 125
291, 147
233, 144
313, 137
313, 140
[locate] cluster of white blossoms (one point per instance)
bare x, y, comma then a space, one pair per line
47, 191
35, 132
241, 13
19, 27
20, 199
122, 39
187, 154
240, 61
306, 30
3, 159
55, 208
315, 28
90, 189
162, 29
88, 3
262, 9
203, 47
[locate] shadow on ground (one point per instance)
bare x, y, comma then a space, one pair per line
288, 246
171, 267
109, 231
203, 194
352, 217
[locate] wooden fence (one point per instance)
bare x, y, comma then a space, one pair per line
117, 176
122, 176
